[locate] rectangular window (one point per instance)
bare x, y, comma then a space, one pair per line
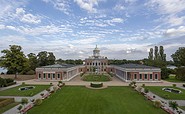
146, 76
44, 75
39, 75
101, 63
135, 76
156, 76
104, 69
58, 75
140, 76
81, 69
87, 63
53, 75
49, 76
151, 76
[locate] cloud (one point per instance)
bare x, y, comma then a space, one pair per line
167, 6
62, 5
88, 5
117, 20
27, 17
119, 7
175, 31
171, 10
40, 30
7, 9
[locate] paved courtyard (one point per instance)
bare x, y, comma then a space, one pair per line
114, 82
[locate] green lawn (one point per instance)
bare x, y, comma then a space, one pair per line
173, 79
158, 90
7, 107
81, 100
182, 107
96, 77
16, 92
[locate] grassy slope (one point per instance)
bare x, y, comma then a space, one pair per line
158, 90
80, 100
93, 77
7, 107
15, 92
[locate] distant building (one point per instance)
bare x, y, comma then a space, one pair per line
96, 63
99, 64
136, 72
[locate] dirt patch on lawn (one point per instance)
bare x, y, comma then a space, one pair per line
19, 77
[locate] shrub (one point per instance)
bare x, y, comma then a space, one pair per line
19, 108
143, 85
24, 101
11, 83
60, 82
146, 90
23, 83
183, 85
157, 103
174, 85
48, 89
31, 72
173, 105
38, 102
2, 82
9, 80
42, 94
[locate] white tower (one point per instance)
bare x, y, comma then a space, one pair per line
96, 52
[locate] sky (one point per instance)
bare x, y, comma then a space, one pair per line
122, 29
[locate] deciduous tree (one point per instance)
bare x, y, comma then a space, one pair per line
13, 59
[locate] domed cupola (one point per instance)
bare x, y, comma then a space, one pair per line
96, 52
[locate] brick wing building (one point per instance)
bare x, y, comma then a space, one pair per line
99, 64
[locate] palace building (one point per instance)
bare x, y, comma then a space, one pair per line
96, 62
99, 64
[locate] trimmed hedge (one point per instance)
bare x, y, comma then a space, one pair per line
96, 85
6, 102
6, 82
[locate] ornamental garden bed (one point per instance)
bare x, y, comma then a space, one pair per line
31, 92
96, 77
167, 95
81, 100
7, 107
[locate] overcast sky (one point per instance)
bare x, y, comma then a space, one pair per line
122, 29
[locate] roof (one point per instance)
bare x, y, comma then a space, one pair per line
136, 66
58, 66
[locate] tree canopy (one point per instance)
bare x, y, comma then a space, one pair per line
179, 57
13, 59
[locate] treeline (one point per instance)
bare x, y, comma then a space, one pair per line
16, 62
124, 61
